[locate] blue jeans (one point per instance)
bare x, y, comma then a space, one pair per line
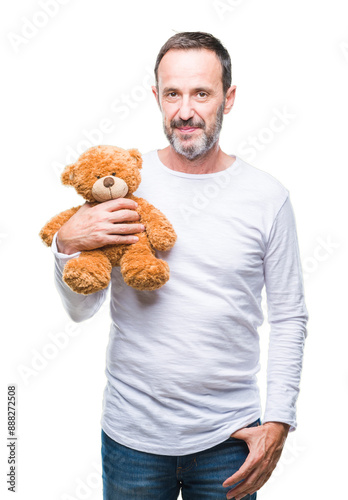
130, 474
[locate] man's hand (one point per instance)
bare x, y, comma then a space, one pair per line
103, 224
265, 443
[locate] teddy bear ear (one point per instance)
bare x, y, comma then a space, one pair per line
68, 175
137, 156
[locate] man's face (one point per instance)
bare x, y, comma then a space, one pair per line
190, 96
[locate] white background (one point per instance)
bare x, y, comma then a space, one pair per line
63, 75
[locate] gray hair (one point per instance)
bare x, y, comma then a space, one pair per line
187, 40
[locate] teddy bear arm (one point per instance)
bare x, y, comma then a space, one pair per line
159, 230
53, 225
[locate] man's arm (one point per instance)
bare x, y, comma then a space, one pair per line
91, 227
287, 316
78, 306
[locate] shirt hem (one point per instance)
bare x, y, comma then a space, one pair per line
171, 450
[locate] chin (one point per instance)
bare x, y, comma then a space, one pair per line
191, 155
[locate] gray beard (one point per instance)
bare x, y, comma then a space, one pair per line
202, 145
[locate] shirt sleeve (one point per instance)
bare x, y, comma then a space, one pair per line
287, 317
79, 307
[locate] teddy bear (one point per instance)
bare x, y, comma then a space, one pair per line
103, 173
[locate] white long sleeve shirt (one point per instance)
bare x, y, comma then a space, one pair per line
181, 361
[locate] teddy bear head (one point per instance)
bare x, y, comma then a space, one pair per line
104, 173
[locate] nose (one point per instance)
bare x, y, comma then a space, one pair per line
108, 182
186, 112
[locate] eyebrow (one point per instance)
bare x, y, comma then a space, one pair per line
197, 89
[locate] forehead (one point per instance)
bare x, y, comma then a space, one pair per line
190, 68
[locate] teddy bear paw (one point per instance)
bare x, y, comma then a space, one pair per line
151, 275
87, 273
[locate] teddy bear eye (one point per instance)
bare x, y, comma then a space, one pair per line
114, 173
98, 176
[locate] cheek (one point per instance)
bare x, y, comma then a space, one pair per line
209, 116
169, 111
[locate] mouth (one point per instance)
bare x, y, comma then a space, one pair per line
188, 130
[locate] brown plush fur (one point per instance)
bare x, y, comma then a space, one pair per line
140, 268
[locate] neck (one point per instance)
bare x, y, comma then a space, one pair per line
214, 160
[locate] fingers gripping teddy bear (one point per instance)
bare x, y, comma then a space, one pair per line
103, 173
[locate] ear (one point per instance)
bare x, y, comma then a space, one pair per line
154, 89
68, 175
230, 97
137, 156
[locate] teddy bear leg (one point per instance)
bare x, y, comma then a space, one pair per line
88, 273
141, 269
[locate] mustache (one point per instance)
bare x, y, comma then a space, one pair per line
186, 123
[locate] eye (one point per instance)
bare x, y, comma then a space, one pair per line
98, 176
202, 94
114, 173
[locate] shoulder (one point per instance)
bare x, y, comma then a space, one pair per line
149, 156
150, 164
264, 186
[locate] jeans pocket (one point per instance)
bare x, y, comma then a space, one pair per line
253, 424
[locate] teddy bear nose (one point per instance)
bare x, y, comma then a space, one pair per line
108, 182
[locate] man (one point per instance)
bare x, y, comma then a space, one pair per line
181, 406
